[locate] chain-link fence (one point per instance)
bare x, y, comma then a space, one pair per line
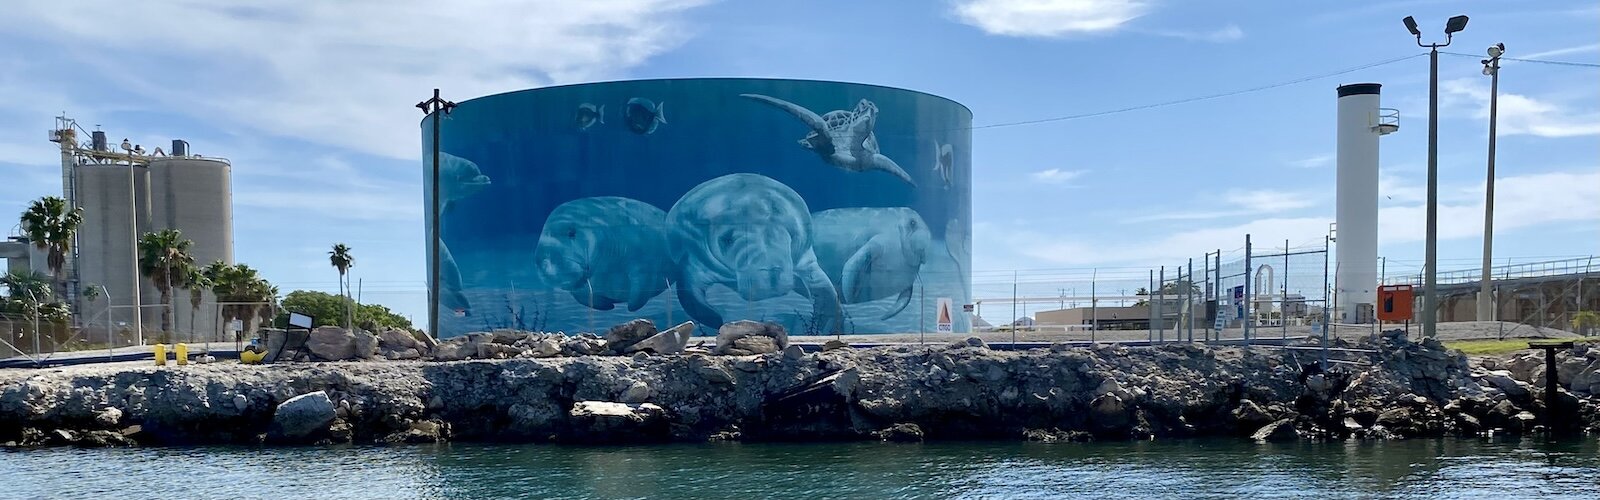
1253, 292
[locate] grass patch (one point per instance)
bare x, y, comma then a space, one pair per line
1497, 347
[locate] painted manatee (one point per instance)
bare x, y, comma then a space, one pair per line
752, 234
872, 253
605, 251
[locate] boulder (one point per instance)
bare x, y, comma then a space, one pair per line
366, 344
302, 417
1056, 436
335, 344
715, 374
456, 348
622, 336
496, 350
102, 439
401, 344
1250, 415
277, 340
1280, 430
968, 342
1109, 412
108, 417
605, 421
545, 348
793, 353
422, 431
744, 338
1527, 367
900, 433
671, 341
834, 344
639, 392
1501, 379
584, 344
402, 354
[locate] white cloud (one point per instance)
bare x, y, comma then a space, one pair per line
1057, 176
1048, 18
1520, 114
1318, 161
1396, 189
1229, 33
1520, 201
1580, 49
342, 73
1534, 200
1237, 203
1266, 200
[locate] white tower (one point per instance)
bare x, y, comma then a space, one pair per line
1360, 123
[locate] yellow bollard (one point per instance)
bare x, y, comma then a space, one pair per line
160, 351
181, 351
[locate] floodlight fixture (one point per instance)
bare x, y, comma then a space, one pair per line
1455, 25
1411, 24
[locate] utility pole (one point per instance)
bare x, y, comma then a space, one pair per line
432, 109
1491, 67
1430, 289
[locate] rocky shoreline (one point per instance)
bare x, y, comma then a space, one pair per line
754, 387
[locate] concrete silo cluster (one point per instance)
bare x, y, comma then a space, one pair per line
124, 192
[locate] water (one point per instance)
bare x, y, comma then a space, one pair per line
1448, 468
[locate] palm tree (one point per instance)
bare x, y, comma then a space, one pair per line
342, 260
241, 290
197, 283
164, 259
214, 274
50, 225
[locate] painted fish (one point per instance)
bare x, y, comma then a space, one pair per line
589, 115
643, 116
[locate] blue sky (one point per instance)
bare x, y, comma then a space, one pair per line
312, 102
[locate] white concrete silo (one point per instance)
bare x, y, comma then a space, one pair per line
114, 214
1361, 122
193, 195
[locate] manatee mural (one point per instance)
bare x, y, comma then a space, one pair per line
788, 201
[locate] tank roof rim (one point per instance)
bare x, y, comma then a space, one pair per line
712, 78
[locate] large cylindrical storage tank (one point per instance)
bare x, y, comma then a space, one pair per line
1356, 266
825, 207
193, 195
106, 242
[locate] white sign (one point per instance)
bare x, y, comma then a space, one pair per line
236, 326
945, 320
298, 320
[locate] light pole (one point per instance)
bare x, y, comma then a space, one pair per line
133, 239
1430, 295
1491, 67
432, 107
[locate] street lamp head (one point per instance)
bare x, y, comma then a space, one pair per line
1411, 24
1455, 25
127, 146
1497, 49
1487, 68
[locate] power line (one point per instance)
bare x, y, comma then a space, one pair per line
1205, 97
1539, 61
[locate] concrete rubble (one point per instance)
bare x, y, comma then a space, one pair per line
535, 387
